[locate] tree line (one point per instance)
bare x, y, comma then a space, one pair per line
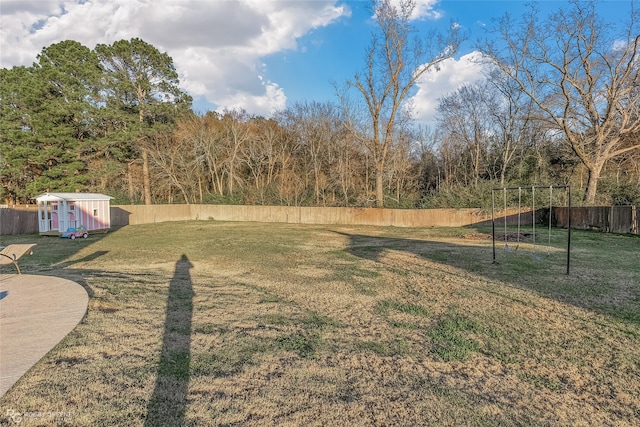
559, 104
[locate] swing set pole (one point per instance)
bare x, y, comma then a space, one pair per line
493, 224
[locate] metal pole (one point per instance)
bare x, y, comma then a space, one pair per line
493, 224
533, 219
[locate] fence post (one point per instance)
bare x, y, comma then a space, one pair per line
634, 219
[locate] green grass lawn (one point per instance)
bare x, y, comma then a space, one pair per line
214, 323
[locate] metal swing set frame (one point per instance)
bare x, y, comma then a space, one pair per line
504, 191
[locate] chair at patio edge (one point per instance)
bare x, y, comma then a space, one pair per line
12, 253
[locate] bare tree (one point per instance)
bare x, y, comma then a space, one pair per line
430, 170
394, 62
173, 161
581, 77
259, 154
315, 126
403, 171
512, 115
347, 167
464, 116
204, 135
236, 131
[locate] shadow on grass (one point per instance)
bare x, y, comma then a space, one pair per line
90, 257
168, 403
53, 252
524, 270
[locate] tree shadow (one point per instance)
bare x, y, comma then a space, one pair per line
77, 276
168, 402
373, 247
542, 274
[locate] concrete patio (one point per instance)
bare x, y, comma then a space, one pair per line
36, 313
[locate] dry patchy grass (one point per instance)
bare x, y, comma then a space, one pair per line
208, 323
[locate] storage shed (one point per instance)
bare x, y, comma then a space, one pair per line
58, 212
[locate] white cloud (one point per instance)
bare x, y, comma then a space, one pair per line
434, 85
216, 46
274, 99
423, 9
619, 45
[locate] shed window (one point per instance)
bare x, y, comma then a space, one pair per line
95, 212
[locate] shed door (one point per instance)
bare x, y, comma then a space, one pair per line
54, 215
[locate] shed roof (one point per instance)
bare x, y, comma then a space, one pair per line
56, 197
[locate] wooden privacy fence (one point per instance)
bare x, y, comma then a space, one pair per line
616, 219
18, 220
137, 214
25, 220
611, 219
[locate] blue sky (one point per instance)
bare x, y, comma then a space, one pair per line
260, 55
